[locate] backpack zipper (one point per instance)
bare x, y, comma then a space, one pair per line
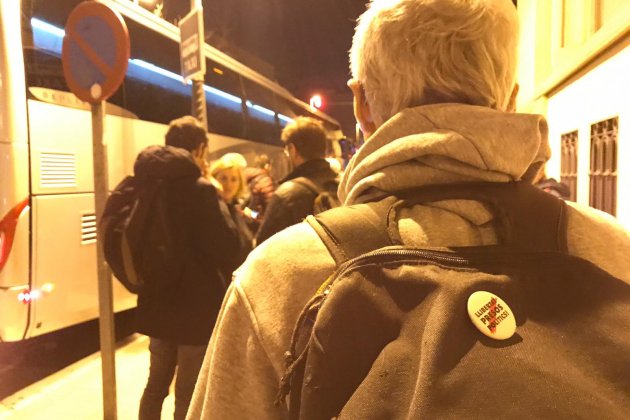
423, 254
313, 306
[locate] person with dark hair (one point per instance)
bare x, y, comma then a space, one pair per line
178, 311
305, 144
261, 188
551, 186
186, 133
555, 188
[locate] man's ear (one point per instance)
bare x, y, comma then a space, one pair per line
199, 151
362, 111
512, 102
294, 155
199, 156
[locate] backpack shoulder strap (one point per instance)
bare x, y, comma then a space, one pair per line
120, 196
527, 218
312, 186
351, 231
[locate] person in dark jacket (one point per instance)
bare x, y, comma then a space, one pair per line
261, 187
178, 313
305, 144
551, 186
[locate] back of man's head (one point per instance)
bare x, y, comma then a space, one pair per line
186, 133
414, 52
308, 136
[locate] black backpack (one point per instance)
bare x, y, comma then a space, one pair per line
399, 332
138, 244
325, 195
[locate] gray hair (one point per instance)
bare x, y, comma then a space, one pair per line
413, 52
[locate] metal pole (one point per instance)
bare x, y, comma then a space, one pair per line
199, 102
105, 292
199, 109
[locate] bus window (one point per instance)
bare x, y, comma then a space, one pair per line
44, 70
42, 47
261, 122
222, 78
153, 88
224, 100
286, 113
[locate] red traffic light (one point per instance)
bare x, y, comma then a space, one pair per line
317, 102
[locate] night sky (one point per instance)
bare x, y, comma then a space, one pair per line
306, 41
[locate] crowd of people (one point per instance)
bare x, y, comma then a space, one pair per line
434, 90
215, 214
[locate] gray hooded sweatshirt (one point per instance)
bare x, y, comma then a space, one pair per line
426, 145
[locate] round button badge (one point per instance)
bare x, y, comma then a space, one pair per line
491, 315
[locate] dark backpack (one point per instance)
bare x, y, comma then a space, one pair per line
396, 332
325, 195
136, 234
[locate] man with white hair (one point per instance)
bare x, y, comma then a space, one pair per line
434, 93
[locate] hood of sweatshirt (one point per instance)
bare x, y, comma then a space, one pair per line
446, 143
165, 162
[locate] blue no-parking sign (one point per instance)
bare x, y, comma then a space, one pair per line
95, 51
94, 55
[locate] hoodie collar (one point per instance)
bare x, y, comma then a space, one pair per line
447, 143
165, 162
308, 169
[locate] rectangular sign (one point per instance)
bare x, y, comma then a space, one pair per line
192, 61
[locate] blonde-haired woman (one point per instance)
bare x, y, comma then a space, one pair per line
228, 171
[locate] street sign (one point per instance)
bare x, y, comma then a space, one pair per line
94, 55
95, 51
192, 61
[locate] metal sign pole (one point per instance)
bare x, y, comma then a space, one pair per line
105, 291
199, 109
97, 34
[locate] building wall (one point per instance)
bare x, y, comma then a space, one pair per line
575, 70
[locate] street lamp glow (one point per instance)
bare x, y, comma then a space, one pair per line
316, 102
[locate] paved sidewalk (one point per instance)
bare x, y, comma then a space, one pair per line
76, 391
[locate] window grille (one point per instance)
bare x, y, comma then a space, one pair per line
569, 162
603, 174
57, 170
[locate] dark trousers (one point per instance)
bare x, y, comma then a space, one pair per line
165, 358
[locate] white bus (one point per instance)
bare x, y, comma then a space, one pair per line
47, 222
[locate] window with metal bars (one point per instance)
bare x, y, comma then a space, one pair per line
569, 162
603, 173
